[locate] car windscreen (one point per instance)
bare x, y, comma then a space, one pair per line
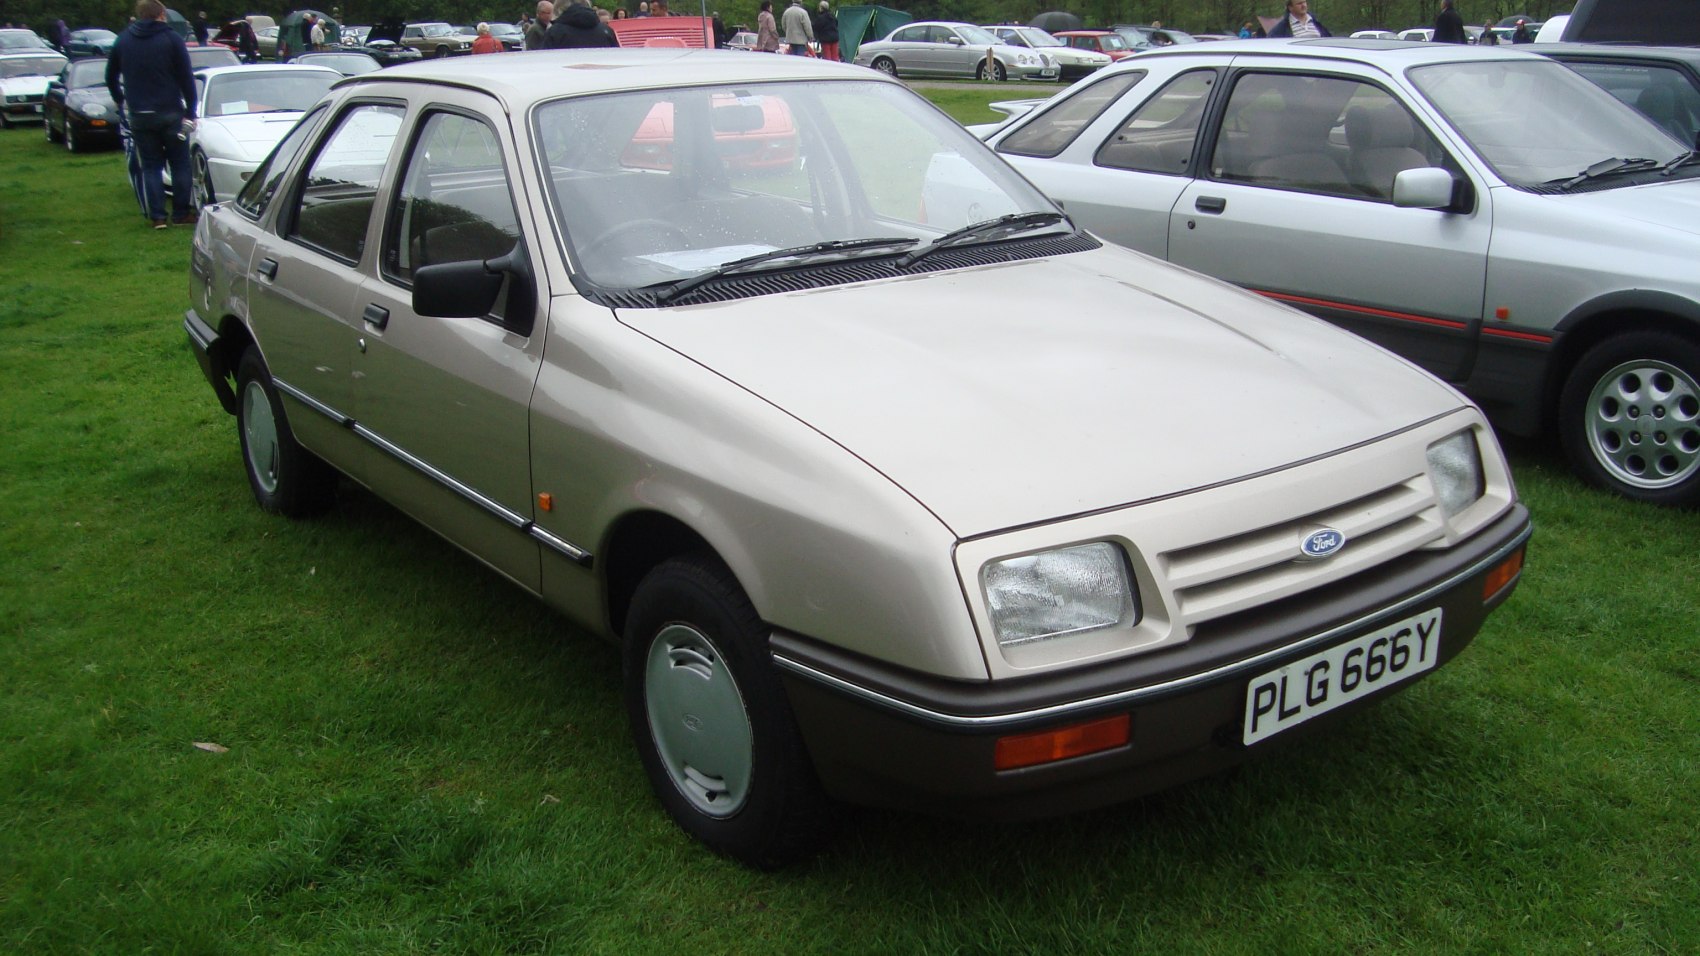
206, 57
974, 36
1538, 122
32, 65
348, 64
85, 73
234, 94
1039, 38
22, 40
661, 185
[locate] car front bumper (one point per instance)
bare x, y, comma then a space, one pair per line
883, 737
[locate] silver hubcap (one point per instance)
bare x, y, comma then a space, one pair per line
1644, 423
259, 430
697, 720
887, 67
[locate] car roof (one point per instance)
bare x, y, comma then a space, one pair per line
1390, 55
1618, 51
520, 80
218, 71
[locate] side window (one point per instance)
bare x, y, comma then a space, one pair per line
910, 35
257, 193
1663, 94
1050, 133
339, 190
1320, 134
454, 204
1159, 136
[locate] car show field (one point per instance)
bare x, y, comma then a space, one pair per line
227, 731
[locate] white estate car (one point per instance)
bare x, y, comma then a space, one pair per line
1509, 226
244, 111
872, 515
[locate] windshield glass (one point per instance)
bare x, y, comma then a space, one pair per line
974, 36
87, 73
21, 40
662, 185
1038, 38
1539, 122
439, 30
265, 91
32, 65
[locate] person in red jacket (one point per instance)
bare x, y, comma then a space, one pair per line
485, 42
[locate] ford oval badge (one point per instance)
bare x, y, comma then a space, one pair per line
1322, 543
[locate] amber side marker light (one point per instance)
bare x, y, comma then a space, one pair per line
1075, 740
1502, 575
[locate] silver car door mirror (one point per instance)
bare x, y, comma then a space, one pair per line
1429, 187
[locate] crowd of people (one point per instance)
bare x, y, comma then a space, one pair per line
575, 24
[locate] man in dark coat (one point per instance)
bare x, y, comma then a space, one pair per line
149, 78
1522, 34
826, 31
1299, 23
578, 27
1448, 25
201, 28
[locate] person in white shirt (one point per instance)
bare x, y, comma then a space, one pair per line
1299, 23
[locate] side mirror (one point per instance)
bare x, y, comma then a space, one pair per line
468, 290
1429, 187
956, 41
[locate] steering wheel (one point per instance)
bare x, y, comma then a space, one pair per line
656, 233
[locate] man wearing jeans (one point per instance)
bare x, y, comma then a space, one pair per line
149, 77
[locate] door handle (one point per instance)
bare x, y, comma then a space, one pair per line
268, 268
376, 316
1210, 204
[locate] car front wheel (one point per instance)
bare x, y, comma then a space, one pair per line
712, 724
886, 65
997, 71
1630, 417
47, 124
286, 478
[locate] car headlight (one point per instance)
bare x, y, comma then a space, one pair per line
1455, 467
93, 109
1051, 594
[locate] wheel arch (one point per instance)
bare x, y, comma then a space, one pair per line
1614, 313
226, 353
634, 545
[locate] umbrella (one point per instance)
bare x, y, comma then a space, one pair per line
1054, 21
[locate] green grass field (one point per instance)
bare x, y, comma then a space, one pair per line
421, 758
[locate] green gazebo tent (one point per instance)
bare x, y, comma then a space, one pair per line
857, 25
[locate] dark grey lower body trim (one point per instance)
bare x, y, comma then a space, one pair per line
1167, 688
496, 509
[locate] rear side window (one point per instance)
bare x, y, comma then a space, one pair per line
1663, 94
338, 192
1158, 137
1050, 133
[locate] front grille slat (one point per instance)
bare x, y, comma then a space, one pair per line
1234, 573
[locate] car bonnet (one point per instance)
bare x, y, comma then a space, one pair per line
1024, 392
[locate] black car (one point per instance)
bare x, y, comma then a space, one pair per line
78, 110
211, 55
91, 41
383, 43
1661, 81
346, 62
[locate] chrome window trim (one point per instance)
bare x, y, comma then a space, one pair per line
506, 515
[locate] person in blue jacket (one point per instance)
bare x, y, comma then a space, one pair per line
149, 77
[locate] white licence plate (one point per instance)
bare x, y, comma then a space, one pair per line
1284, 698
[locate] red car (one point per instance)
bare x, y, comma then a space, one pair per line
1102, 41
771, 145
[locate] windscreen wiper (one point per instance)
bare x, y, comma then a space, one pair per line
1012, 223
668, 291
1607, 167
1682, 160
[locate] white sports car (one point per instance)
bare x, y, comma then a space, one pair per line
24, 75
244, 111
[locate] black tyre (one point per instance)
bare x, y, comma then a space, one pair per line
286, 478
886, 65
442, 52
711, 722
997, 71
1630, 417
72, 143
47, 124
201, 174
